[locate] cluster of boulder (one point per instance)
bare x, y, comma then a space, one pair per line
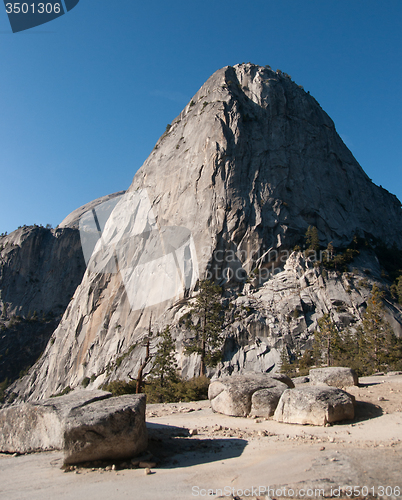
317, 399
92, 425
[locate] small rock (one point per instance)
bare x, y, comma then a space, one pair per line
113, 467
381, 398
322, 448
148, 471
193, 432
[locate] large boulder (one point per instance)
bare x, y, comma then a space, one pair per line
114, 429
234, 395
336, 376
265, 401
315, 405
88, 425
39, 426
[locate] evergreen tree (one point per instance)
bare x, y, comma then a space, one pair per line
165, 366
207, 326
327, 341
397, 289
378, 343
312, 239
143, 363
285, 360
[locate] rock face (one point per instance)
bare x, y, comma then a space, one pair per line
245, 168
39, 426
40, 269
87, 425
335, 375
255, 394
315, 405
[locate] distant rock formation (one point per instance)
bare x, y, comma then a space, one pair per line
40, 269
249, 164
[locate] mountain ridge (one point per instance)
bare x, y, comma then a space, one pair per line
249, 164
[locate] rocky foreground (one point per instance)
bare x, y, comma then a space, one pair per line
194, 452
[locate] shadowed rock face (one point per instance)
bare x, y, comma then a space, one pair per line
246, 167
40, 269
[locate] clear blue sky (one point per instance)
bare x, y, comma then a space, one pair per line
84, 98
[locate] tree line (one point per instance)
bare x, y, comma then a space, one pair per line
370, 347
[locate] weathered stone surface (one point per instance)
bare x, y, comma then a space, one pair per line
336, 376
113, 429
239, 168
300, 380
39, 426
315, 405
265, 401
234, 395
72, 220
88, 425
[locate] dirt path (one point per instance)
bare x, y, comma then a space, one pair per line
237, 456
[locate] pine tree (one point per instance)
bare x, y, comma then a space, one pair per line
398, 289
165, 366
377, 339
327, 340
143, 363
312, 239
285, 360
207, 326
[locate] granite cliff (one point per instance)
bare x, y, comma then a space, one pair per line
228, 191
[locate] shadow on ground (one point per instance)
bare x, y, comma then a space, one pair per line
174, 447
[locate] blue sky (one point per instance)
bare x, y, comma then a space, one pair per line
84, 98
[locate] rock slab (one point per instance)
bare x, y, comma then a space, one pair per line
336, 376
88, 425
315, 405
242, 395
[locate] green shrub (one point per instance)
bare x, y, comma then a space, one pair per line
172, 391
85, 382
120, 387
66, 390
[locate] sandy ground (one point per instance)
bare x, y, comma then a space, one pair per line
237, 456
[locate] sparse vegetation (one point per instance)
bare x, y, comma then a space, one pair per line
312, 239
173, 390
85, 382
65, 391
371, 347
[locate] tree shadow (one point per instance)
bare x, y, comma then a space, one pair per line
173, 447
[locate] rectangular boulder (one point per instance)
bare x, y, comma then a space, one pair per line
114, 429
87, 425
